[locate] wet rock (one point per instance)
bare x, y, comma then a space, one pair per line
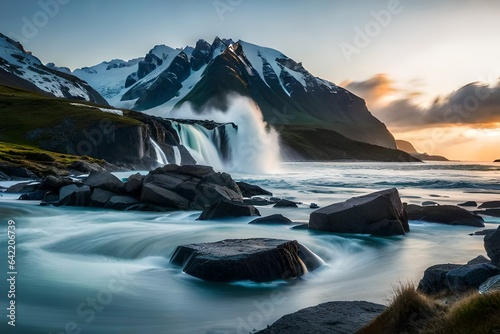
257, 201
488, 212
444, 214
468, 203
134, 184
490, 205
54, 183
105, 181
492, 284
121, 202
154, 194
73, 195
272, 219
314, 206
492, 246
470, 276
284, 203
23, 187
100, 197
478, 260
258, 260
483, 232
33, 196
383, 208
250, 190
429, 203
333, 317
17, 173
224, 209
85, 167
435, 277
50, 198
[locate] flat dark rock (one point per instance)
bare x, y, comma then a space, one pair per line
106, 181
258, 260
225, 209
284, 203
490, 205
444, 214
250, 190
379, 213
332, 317
488, 212
272, 219
483, 232
468, 203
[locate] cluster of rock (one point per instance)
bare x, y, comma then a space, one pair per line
480, 273
172, 187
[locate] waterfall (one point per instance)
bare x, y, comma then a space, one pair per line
251, 148
177, 155
161, 158
198, 142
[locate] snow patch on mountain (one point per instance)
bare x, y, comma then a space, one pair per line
56, 81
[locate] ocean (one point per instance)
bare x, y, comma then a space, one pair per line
82, 270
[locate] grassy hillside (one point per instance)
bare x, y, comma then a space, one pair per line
39, 161
22, 112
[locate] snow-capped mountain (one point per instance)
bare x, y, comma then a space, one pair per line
108, 78
286, 93
19, 68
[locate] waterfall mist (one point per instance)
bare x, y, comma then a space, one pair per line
253, 148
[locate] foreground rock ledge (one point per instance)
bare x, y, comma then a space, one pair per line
380, 213
332, 317
258, 260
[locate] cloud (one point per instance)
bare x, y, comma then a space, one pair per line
473, 104
372, 90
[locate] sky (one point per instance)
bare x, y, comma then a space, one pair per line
408, 58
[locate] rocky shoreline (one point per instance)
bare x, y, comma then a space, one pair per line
218, 196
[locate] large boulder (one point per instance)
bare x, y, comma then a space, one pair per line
106, 181
492, 246
333, 317
258, 260
224, 209
157, 195
379, 213
250, 190
435, 277
444, 214
470, 276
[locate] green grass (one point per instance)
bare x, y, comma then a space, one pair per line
39, 161
22, 112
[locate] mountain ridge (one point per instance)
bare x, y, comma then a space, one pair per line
19, 68
286, 93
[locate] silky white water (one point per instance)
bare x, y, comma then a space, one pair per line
101, 271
